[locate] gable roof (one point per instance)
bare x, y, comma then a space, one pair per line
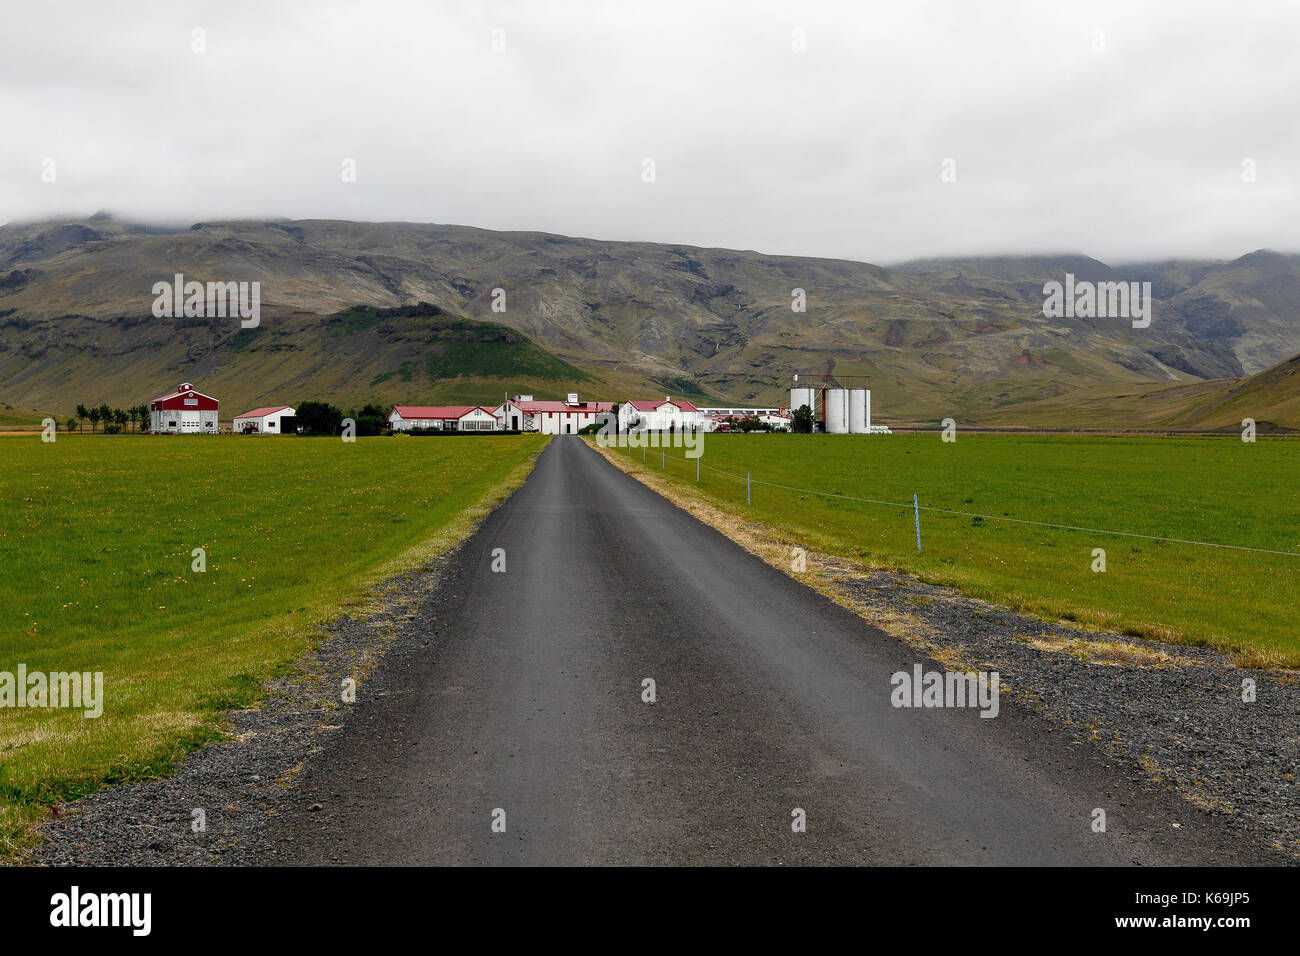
651, 406
436, 411
263, 412
179, 394
582, 408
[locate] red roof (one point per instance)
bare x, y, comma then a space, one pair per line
651, 406
176, 400
263, 412
444, 412
582, 408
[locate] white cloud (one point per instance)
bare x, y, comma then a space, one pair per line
1132, 152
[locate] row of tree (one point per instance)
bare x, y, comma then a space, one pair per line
322, 418
114, 419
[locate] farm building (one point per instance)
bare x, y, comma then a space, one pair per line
725, 422
733, 411
463, 418
184, 410
662, 416
569, 417
264, 421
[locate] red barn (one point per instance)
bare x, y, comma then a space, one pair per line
184, 410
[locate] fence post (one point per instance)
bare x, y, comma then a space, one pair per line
663, 458
746, 487
917, 509
697, 471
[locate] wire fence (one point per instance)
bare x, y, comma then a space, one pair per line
914, 506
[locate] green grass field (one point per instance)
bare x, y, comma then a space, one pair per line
96, 542
1207, 489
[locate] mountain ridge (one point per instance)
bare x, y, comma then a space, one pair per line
962, 335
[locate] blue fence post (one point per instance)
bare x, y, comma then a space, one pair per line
917, 508
697, 471
746, 487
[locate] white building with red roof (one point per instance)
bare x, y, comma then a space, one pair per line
461, 418
667, 415
263, 421
569, 417
184, 410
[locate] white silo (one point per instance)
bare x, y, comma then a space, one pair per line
857, 411
837, 411
804, 396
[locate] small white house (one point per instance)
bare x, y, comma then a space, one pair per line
263, 421
463, 418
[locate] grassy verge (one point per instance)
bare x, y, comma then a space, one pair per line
1211, 489
98, 542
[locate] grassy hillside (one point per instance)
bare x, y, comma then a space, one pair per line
99, 577
1217, 490
1270, 397
408, 355
12, 416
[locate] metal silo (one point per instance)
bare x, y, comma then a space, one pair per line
837, 411
804, 396
857, 411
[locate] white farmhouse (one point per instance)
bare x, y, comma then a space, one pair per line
569, 417
668, 415
462, 418
263, 421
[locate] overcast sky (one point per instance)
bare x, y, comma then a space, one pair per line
1115, 129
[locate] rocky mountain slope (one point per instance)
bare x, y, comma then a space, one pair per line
965, 337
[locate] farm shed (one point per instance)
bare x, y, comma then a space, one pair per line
265, 421
464, 418
184, 410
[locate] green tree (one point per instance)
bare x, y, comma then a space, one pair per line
121, 417
371, 419
72, 424
319, 418
801, 420
93, 415
82, 414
